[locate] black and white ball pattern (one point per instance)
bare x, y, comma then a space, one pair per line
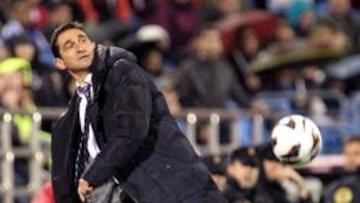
296, 140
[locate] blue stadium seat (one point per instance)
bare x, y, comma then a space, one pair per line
332, 137
245, 129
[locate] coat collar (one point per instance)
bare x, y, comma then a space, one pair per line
99, 68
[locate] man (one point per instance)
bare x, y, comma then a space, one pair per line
243, 172
352, 154
206, 80
346, 185
131, 138
342, 17
20, 23
217, 166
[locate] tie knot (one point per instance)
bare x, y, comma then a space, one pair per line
85, 90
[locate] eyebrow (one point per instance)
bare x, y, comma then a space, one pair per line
82, 36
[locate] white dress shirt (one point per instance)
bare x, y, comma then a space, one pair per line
92, 146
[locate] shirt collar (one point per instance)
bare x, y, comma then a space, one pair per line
87, 80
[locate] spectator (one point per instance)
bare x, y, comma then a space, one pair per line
47, 84
107, 20
326, 35
39, 13
352, 154
217, 165
301, 17
243, 175
206, 79
284, 33
346, 188
20, 23
247, 47
59, 14
342, 18
15, 96
180, 19
99, 11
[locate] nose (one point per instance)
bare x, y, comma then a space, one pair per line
80, 48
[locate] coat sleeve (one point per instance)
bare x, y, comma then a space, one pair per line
128, 123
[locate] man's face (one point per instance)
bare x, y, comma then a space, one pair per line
273, 169
206, 49
352, 155
76, 51
25, 51
340, 7
246, 176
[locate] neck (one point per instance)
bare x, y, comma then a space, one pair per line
79, 76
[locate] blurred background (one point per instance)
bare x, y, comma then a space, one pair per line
229, 69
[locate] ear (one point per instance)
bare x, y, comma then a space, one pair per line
59, 64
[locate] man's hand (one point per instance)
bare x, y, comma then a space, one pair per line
290, 174
84, 189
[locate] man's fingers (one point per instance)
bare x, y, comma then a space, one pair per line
82, 198
83, 193
84, 189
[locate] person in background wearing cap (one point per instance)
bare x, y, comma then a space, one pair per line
243, 175
217, 167
276, 177
346, 188
15, 97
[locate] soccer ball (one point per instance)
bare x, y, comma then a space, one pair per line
296, 140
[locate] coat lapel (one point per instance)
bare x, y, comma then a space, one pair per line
74, 124
99, 70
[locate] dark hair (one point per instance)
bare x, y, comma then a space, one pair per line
60, 29
266, 152
13, 4
216, 163
352, 139
203, 28
18, 40
246, 155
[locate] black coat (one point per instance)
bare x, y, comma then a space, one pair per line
140, 143
345, 189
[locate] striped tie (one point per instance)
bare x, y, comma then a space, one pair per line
82, 156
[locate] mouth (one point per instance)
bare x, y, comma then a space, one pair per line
83, 57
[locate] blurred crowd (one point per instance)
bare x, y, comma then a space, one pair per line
263, 56
253, 174
204, 54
